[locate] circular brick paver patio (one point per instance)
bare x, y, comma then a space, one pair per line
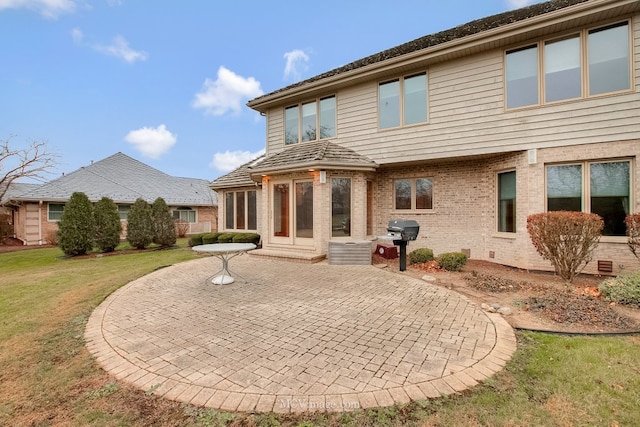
295, 337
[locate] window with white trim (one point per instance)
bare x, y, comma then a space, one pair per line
184, 214
55, 211
123, 212
310, 121
413, 194
402, 101
600, 187
588, 63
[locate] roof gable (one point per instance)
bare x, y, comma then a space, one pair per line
124, 179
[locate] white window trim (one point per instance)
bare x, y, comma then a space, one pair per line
49, 211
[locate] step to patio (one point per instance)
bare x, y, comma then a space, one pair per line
295, 256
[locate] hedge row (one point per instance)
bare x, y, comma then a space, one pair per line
209, 238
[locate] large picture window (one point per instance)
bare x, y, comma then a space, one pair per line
602, 188
402, 101
599, 56
413, 194
507, 202
310, 121
240, 210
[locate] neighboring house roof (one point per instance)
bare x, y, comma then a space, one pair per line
238, 177
16, 189
124, 179
471, 28
316, 155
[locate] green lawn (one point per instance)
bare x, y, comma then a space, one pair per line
48, 378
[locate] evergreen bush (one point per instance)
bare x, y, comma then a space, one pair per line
196, 240
107, 223
210, 238
624, 289
420, 256
246, 238
164, 228
76, 227
225, 237
567, 239
452, 261
140, 224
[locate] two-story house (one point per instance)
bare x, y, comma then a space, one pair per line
468, 131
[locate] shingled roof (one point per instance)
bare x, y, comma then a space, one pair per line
124, 179
321, 155
239, 177
468, 29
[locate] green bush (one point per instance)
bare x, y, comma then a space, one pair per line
452, 261
76, 228
164, 229
209, 238
140, 225
108, 226
225, 237
420, 256
246, 238
624, 289
196, 240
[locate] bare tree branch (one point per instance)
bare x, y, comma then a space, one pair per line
34, 162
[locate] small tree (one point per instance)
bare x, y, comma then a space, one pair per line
108, 226
140, 224
76, 226
633, 231
164, 229
567, 239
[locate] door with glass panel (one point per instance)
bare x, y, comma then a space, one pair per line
292, 212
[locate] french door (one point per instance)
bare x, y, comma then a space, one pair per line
292, 212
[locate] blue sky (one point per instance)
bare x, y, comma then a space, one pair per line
166, 81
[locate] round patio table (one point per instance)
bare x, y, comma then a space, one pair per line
224, 251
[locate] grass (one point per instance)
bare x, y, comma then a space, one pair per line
48, 378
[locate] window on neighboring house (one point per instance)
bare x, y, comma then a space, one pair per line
340, 207
123, 211
605, 67
310, 121
184, 214
507, 202
240, 210
602, 188
55, 211
402, 101
413, 194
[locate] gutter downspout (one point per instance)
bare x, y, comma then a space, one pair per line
40, 222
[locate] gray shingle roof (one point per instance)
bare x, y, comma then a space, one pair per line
314, 154
470, 28
124, 179
16, 189
238, 177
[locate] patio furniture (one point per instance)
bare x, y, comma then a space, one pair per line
224, 251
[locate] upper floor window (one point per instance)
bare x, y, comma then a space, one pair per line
602, 188
402, 101
55, 211
184, 214
413, 194
310, 121
597, 60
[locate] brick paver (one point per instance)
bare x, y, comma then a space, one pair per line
295, 337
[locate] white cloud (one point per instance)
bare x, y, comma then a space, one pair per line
516, 4
152, 142
77, 35
227, 93
296, 64
48, 8
229, 160
120, 49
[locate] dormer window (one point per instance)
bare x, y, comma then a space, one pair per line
310, 121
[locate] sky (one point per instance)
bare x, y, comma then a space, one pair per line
167, 81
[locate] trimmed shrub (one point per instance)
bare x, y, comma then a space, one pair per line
164, 229
246, 238
633, 231
452, 261
140, 224
182, 228
420, 256
196, 240
76, 227
567, 239
209, 238
624, 289
225, 237
108, 226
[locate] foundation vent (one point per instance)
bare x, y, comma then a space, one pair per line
605, 266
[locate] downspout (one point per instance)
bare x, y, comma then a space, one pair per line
40, 222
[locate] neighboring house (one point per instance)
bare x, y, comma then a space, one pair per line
122, 179
467, 131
